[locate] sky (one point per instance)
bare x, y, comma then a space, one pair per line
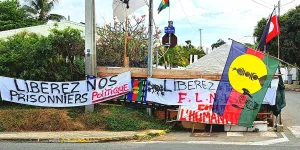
218, 19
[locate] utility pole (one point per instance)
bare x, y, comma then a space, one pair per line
279, 34
150, 44
280, 121
90, 44
200, 38
150, 39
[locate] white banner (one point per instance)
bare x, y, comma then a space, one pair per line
270, 97
46, 94
203, 112
181, 92
64, 94
200, 113
111, 87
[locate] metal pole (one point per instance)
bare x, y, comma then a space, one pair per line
90, 44
280, 121
150, 39
200, 38
169, 12
150, 44
278, 35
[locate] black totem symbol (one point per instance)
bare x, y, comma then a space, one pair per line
158, 89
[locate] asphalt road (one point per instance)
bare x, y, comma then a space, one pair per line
291, 113
135, 146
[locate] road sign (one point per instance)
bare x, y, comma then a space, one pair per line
170, 30
170, 23
165, 40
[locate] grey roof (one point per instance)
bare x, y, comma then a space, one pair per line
212, 63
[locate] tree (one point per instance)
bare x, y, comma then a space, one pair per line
69, 44
289, 36
218, 44
180, 55
110, 47
13, 16
32, 57
42, 9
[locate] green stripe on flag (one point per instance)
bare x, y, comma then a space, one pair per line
248, 115
140, 93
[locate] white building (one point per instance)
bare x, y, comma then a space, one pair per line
44, 29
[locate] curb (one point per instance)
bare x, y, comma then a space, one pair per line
293, 89
147, 135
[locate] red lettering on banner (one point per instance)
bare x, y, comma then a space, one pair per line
110, 92
212, 97
181, 97
213, 117
191, 115
209, 107
201, 117
197, 95
206, 115
221, 120
181, 118
197, 117
203, 107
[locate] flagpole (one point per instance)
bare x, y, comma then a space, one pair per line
169, 12
150, 45
150, 39
280, 121
279, 33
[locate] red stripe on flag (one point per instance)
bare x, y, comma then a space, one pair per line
234, 106
273, 31
135, 84
255, 53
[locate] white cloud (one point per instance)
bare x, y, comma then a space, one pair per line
218, 18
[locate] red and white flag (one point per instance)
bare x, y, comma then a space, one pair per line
271, 30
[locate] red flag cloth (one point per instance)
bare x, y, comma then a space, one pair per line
271, 30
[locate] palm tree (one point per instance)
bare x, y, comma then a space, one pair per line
41, 9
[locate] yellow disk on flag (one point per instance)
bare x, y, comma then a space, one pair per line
246, 72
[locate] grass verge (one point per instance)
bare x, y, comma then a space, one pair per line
105, 117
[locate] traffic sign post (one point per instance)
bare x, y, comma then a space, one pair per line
170, 23
169, 41
170, 30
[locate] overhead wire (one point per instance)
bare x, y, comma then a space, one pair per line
287, 3
262, 4
186, 16
266, 2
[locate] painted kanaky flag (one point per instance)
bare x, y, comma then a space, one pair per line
245, 80
164, 4
271, 30
123, 8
